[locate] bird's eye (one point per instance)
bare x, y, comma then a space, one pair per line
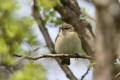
67, 28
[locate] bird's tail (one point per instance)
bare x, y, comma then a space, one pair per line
65, 61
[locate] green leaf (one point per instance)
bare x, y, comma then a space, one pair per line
30, 72
3, 47
48, 4
8, 59
6, 4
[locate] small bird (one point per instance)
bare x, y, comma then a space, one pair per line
67, 42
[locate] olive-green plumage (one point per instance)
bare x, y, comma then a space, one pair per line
67, 42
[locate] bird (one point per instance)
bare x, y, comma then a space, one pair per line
67, 42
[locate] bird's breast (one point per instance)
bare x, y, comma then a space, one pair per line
68, 43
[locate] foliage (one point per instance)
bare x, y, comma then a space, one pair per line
48, 4
49, 15
13, 32
30, 72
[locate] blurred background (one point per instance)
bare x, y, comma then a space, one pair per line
20, 34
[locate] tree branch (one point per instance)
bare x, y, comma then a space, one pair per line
69, 11
107, 39
83, 76
48, 40
53, 56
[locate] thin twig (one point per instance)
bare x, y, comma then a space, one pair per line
83, 76
34, 50
53, 56
88, 16
18, 62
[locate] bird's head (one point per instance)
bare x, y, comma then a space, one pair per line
67, 27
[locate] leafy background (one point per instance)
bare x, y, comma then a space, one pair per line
20, 34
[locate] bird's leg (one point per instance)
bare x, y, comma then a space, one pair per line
77, 54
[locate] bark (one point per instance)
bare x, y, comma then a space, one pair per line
70, 13
106, 38
53, 55
48, 40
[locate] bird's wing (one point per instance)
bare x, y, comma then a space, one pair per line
56, 37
